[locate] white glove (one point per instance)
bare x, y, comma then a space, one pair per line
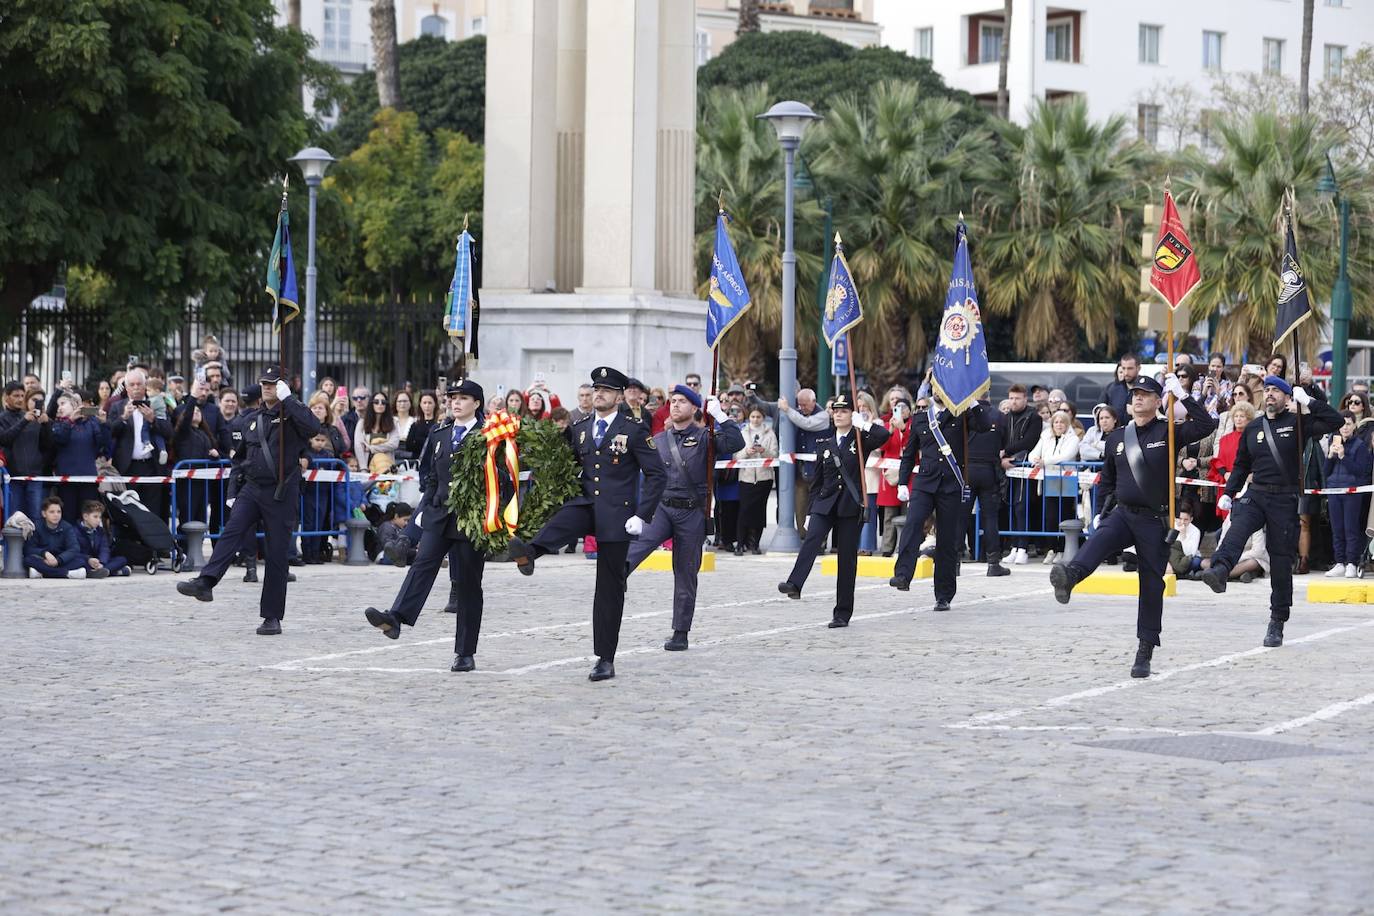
283, 391
1224, 503
1301, 396
904, 493
863, 422
634, 525
1173, 386
717, 412
1097, 520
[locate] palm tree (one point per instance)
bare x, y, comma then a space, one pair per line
1306, 55
738, 156
1061, 256
748, 17
385, 54
897, 164
1237, 205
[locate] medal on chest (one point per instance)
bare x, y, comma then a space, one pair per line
620, 445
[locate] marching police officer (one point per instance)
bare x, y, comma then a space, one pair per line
940, 488
683, 446
1270, 449
269, 492
613, 449
251, 398
441, 535
836, 503
1137, 474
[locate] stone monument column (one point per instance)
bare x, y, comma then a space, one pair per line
677, 126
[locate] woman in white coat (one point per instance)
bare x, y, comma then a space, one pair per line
1058, 445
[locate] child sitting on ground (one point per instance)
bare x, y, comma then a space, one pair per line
389, 536
94, 540
52, 551
1184, 558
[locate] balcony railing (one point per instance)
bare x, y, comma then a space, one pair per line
351, 56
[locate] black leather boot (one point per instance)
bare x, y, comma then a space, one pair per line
1273, 637
452, 606
1141, 668
995, 567
1063, 577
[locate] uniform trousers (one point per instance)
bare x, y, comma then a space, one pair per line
608, 603
254, 504
1277, 514
986, 493
687, 528
949, 508
466, 565
1124, 527
818, 528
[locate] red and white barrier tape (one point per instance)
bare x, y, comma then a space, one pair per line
316, 476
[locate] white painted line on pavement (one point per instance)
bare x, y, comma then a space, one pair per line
296, 664
1072, 728
1220, 660
583, 659
1326, 712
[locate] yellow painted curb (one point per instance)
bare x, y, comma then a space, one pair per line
1115, 582
1338, 591
662, 560
877, 567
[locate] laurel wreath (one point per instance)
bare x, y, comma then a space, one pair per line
544, 452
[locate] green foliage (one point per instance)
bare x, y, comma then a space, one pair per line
543, 450
443, 82
816, 69
1064, 211
140, 141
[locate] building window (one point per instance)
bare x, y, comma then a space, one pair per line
1273, 55
989, 43
1149, 44
433, 25
1335, 2
1211, 51
925, 43
1333, 57
703, 46
1059, 41
338, 30
1147, 123
1207, 129
477, 26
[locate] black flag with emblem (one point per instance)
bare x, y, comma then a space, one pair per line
1294, 306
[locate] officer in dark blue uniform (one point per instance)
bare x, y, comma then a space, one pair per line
269, 493
1137, 474
938, 489
682, 514
612, 449
237, 453
1270, 450
441, 535
835, 504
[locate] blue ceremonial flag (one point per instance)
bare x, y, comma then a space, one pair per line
281, 272
960, 374
729, 296
458, 308
839, 357
842, 308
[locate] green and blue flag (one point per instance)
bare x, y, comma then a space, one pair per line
281, 273
728, 298
960, 374
842, 308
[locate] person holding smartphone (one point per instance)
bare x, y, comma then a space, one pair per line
26, 437
79, 440
755, 483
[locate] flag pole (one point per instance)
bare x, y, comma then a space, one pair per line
281, 363
711, 443
1297, 409
858, 438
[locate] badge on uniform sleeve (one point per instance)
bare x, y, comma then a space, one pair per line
650, 440
252, 427
1259, 436
1120, 447
826, 454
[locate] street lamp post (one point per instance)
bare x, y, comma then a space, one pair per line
790, 120
314, 162
1340, 292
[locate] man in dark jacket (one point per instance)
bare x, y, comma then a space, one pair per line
1020, 432
1118, 393
26, 437
133, 430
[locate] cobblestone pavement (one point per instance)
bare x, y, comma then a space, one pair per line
159, 756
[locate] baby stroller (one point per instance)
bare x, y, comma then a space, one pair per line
140, 536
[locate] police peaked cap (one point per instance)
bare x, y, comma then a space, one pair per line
842, 402
466, 386
270, 375
606, 377
1148, 385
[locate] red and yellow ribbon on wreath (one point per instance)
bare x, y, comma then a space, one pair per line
501, 427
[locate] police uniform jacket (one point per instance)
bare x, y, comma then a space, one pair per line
1253, 455
610, 472
838, 475
691, 443
286, 430
1119, 485
934, 470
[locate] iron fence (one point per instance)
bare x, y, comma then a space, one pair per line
380, 345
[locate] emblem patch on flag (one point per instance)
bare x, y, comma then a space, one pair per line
1171, 253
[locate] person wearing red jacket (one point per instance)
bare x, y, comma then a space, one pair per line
898, 427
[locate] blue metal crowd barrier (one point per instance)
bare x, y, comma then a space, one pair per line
200, 500
1034, 508
323, 506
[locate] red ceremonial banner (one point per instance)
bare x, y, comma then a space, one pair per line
1175, 272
